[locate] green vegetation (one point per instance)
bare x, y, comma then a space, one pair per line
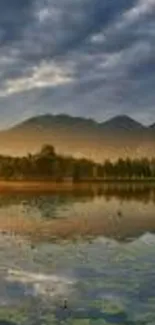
47, 165
17, 316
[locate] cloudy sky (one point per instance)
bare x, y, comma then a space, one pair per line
93, 58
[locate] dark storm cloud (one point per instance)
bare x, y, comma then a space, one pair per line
83, 57
68, 26
14, 15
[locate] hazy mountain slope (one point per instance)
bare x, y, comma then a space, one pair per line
123, 123
118, 137
152, 126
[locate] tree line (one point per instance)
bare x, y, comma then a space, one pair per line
48, 165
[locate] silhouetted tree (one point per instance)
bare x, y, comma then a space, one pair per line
46, 164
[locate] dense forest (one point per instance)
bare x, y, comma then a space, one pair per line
47, 165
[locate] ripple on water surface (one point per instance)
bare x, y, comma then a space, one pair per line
108, 280
103, 283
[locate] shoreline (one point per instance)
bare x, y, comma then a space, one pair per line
66, 186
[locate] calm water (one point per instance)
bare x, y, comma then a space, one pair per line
108, 280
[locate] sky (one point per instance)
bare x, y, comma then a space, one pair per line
91, 58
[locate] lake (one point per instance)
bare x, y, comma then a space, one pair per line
80, 257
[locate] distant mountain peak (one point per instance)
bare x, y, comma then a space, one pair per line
49, 120
152, 126
122, 122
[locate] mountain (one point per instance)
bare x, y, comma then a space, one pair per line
50, 122
122, 122
120, 136
152, 126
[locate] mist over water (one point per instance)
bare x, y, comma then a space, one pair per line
107, 278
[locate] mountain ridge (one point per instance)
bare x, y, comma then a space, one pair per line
66, 117
120, 136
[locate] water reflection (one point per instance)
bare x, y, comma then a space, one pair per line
107, 279
120, 211
104, 283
